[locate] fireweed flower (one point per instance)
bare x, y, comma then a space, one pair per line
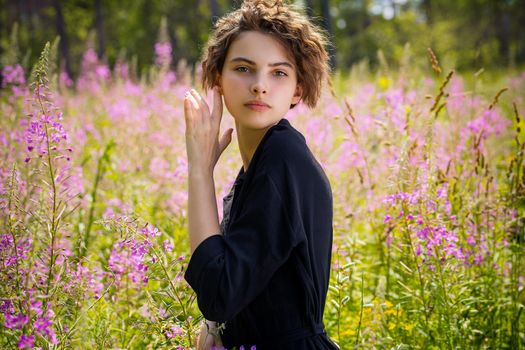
36, 307
6, 243
118, 259
121, 70
44, 326
93, 73
41, 136
115, 206
6, 307
91, 280
431, 232
15, 321
38, 141
13, 76
177, 202
150, 231
8, 255
129, 256
26, 341
168, 247
64, 80
163, 59
163, 54
351, 155
160, 168
396, 101
321, 135
174, 331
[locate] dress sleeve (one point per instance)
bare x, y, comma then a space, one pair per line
228, 272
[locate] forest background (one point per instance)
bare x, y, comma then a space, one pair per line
465, 34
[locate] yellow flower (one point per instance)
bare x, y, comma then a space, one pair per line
408, 327
349, 332
383, 82
390, 312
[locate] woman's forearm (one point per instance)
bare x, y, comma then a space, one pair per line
203, 219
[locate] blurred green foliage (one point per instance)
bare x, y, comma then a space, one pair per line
464, 34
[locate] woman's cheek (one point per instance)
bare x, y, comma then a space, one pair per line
228, 104
237, 80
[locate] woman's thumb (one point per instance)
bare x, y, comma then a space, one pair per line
225, 139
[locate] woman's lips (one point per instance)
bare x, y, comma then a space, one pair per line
256, 107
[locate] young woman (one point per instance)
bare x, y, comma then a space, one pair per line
264, 271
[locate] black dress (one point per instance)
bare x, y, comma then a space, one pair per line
266, 276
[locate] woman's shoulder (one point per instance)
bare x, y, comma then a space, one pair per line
286, 131
284, 144
286, 156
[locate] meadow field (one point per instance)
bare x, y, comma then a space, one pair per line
428, 178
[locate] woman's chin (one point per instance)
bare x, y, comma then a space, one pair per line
256, 121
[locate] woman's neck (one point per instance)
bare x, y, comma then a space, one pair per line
248, 140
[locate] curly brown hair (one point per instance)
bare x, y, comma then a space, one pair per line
304, 40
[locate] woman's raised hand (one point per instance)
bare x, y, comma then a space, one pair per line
203, 146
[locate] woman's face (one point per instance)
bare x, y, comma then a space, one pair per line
257, 70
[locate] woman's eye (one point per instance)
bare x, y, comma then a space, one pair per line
241, 69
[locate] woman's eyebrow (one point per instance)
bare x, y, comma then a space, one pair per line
242, 59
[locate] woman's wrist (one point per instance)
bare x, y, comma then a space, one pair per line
212, 328
197, 172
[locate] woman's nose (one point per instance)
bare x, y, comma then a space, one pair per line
259, 85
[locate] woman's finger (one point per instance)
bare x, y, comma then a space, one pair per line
203, 106
225, 140
198, 118
188, 117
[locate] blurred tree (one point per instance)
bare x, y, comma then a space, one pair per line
100, 29
426, 5
488, 32
327, 23
61, 31
309, 4
215, 12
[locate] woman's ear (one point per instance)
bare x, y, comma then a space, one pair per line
297, 95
